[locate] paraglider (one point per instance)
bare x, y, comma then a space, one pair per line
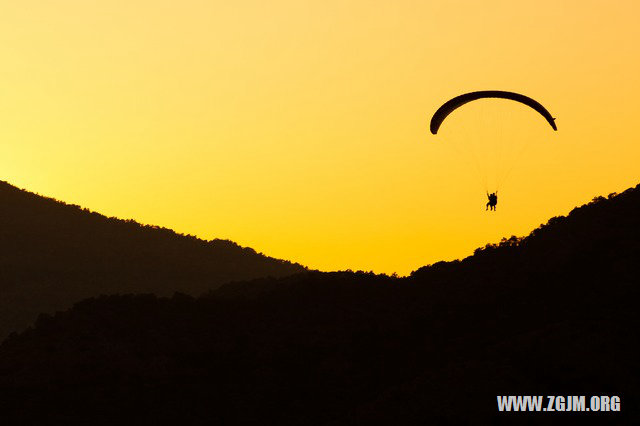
453, 104
493, 200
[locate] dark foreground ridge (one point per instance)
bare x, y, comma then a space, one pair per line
53, 255
551, 314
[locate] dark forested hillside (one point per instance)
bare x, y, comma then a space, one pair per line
551, 314
53, 255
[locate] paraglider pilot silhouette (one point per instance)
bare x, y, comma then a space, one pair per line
493, 200
455, 103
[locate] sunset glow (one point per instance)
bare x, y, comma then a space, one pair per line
301, 128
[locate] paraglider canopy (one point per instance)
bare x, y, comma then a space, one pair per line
455, 103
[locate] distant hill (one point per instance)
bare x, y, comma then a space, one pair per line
555, 313
53, 255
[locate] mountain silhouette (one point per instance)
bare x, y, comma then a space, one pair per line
53, 255
554, 313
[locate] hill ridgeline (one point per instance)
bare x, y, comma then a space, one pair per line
554, 313
53, 254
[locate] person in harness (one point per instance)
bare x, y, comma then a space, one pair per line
493, 200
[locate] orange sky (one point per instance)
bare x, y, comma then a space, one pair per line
301, 128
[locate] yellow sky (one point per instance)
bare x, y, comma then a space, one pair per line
301, 128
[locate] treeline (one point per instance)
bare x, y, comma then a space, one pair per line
53, 255
554, 313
